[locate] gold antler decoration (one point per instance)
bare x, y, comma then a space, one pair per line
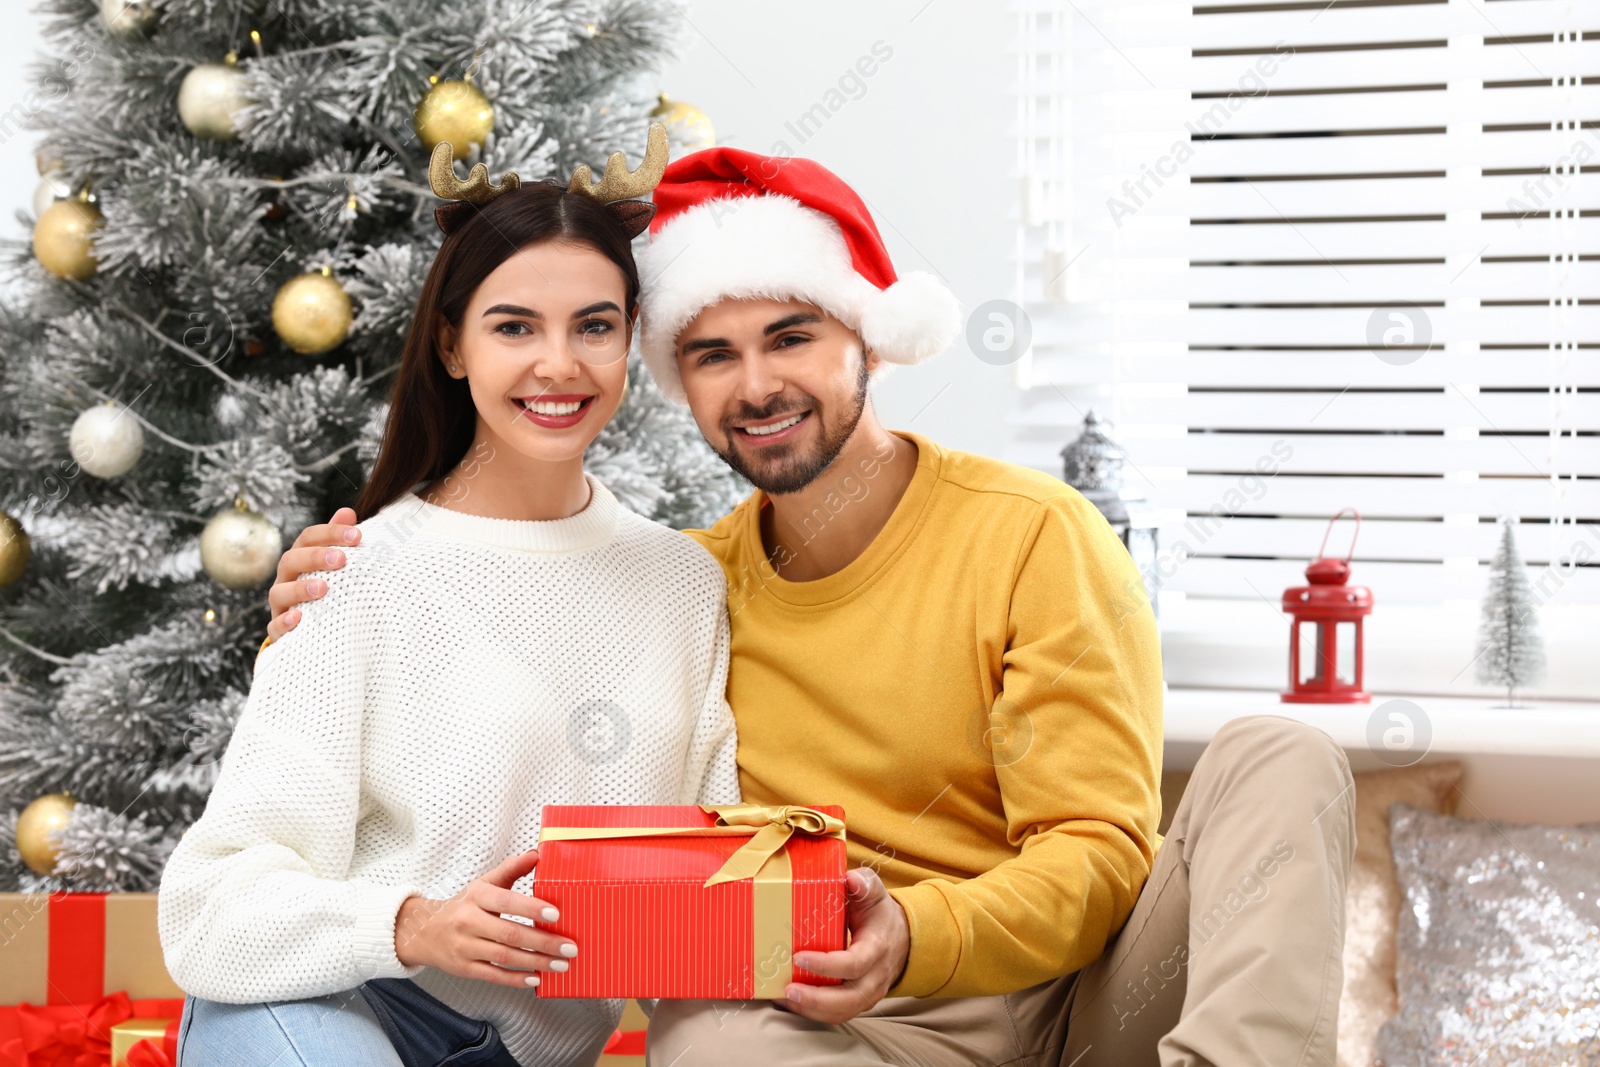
477, 189
620, 183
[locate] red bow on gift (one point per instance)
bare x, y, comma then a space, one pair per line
147, 1053
77, 1038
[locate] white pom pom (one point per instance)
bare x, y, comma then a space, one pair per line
914, 319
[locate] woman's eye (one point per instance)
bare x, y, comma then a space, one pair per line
596, 327
512, 329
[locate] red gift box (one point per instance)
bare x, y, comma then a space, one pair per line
694, 902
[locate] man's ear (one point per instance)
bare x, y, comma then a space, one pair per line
444, 340
871, 358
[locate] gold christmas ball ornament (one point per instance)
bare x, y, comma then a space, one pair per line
454, 111
210, 98
15, 549
688, 128
239, 548
106, 441
124, 18
62, 238
312, 313
45, 816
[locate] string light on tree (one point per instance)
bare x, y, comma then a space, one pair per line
15, 549
312, 312
239, 548
39, 820
454, 110
63, 238
106, 440
211, 97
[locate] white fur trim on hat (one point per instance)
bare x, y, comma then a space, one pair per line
774, 247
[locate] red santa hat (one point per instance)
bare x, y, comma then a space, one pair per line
734, 224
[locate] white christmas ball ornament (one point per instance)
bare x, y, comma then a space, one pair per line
239, 548
209, 99
52, 187
106, 441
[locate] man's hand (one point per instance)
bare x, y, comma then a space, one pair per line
880, 941
311, 551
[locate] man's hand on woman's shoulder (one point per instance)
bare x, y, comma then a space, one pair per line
316, 549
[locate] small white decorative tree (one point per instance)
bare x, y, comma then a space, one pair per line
1511, 653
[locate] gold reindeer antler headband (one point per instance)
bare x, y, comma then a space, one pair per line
615, 191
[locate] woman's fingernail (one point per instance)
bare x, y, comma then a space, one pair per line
569, 950
333, 556
532, 979
315, 587
350, 535
558, 965
550, 915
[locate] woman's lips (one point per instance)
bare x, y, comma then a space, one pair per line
557, 421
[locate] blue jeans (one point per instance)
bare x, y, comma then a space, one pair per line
385, 1022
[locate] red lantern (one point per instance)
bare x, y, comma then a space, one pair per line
1326, 656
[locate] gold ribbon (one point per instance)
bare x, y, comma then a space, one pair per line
763, 859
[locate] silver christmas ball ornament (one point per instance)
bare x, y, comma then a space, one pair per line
210, 99
124, 18
239, 548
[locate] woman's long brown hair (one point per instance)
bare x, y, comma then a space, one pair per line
432, 419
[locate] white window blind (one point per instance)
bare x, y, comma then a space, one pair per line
1307, 255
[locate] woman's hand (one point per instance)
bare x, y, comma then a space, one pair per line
312, 551
465, 935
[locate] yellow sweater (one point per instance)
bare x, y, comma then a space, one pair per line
981, 691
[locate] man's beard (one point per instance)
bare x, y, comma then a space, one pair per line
787, 472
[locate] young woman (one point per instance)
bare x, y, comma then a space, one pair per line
505, 636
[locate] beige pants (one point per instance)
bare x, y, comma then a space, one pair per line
1231, 956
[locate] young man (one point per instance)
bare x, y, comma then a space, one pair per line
946, 646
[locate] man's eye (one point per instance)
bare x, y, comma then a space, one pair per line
798, 339
512, 329
712, 357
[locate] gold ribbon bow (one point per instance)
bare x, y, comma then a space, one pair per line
772, 828
763, 859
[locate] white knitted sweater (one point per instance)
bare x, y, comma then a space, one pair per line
460, 673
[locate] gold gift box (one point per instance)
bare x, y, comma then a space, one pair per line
125, 1035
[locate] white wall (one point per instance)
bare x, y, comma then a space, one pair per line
19, 176
924, 142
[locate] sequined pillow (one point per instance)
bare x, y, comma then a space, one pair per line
1498, 949
1372, 902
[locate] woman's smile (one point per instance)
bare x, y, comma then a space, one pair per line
557, 411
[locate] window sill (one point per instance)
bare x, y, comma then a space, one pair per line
1411, 649
1458, 725
1539, 764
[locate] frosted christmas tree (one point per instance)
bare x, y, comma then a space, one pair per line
1512, 654
234, 228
